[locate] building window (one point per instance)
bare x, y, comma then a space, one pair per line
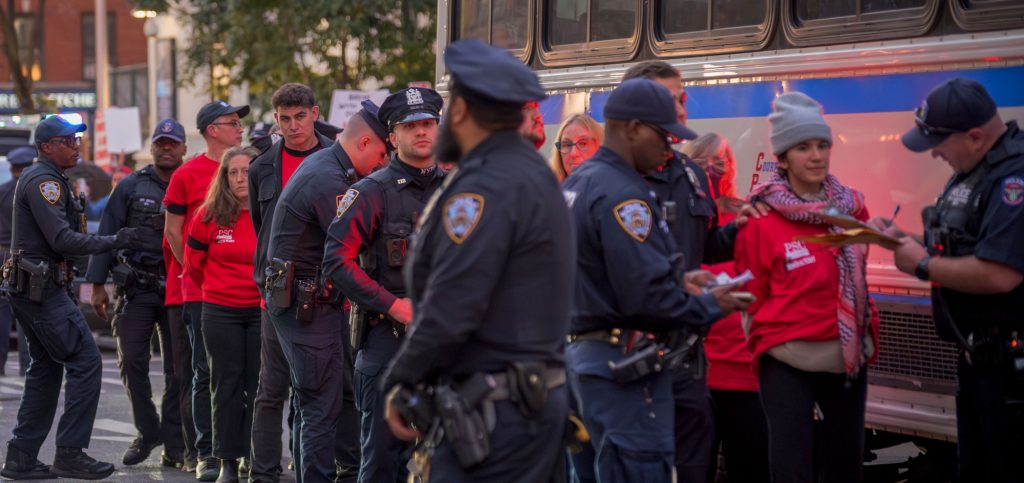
701, 27
812, 22
975, 15
587, 30
502, 23
89, 44
30, 46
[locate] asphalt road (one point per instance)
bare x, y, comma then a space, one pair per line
112, 431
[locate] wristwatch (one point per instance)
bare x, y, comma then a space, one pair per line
921, 271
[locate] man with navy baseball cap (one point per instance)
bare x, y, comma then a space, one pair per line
627, 283
971, 254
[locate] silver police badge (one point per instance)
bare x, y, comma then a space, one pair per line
50, 191
344, 201
413, 97
634, 216
461, 214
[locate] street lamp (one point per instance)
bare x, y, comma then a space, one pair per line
143, 13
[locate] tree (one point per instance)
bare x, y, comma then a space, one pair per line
21, 75
326, 44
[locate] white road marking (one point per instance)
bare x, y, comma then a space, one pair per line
126, 439
115, 426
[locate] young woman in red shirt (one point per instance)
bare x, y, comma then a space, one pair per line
219, 259
813, 327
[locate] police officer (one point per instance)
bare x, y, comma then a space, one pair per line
307, 314
365, 252
139, 278
49, 227
971, 253
19, 159
629, 295
490, 276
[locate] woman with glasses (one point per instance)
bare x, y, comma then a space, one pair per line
814, 329
711, 151
219, 259
577, 140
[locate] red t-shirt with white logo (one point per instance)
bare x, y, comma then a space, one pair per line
219, 259
796, 283
729, 360
185, 193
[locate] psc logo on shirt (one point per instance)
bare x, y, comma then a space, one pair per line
225, 235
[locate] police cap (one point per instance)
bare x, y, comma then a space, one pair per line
370, 113
210, 112
56, 127
646, 101
409, 105
170, 129
22, 156
491, 73
957, 105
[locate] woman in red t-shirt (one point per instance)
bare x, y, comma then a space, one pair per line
219, 259
814, 328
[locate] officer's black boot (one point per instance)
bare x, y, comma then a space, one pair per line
206, 470
228, 471
138, 451
21, 466
74, 463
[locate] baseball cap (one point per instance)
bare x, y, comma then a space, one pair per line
22, 156
492, 72
956, 105
649, 102
56, 127
409, 105
170, 129
210, 112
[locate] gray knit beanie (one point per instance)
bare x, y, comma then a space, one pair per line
796, 118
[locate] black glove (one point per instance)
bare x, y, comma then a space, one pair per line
127, 237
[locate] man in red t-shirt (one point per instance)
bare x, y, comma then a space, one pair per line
295, 111
221, 127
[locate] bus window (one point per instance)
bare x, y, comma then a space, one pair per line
700, 27
577, 31
813, 22
502, 23
975, 15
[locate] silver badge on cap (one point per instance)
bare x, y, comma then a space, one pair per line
167, 127
413, 97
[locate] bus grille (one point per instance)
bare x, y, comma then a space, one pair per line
910, 349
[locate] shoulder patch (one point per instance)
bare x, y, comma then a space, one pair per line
50, 191
1013, 190
635, 217
460, 215
344, 201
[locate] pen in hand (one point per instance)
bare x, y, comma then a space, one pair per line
895, 212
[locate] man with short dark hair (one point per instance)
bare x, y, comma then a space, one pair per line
295, 112
221, 126
971, 253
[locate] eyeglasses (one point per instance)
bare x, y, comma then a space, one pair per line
919, 117
670, 138
582, 144
234, 124
69, 141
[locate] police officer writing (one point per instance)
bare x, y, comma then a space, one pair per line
630, 296
971, 253
137, 202
49, 228
490, 276
307, 315
365, 252
19, 159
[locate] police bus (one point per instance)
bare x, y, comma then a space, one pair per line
869, 62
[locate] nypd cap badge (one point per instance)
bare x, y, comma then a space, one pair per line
634, 216
461, 214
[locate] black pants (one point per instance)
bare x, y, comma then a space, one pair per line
694, 427
273, 391
743, 434
802, 450
233, 337
193, 317
137, 315
182, 349
989, 422
59, 341
6, 321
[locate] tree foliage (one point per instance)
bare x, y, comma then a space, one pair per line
326, 44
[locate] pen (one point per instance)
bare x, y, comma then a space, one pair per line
894, 213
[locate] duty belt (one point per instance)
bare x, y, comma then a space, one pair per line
613, 337
553, 377
376, 319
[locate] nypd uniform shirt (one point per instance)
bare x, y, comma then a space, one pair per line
46, 215
309, 202
366, 216
625, 277
491, 270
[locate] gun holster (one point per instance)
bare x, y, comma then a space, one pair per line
463, 422
280, 278
527, 387
123, 276
37, 275
641, 363
357, 326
